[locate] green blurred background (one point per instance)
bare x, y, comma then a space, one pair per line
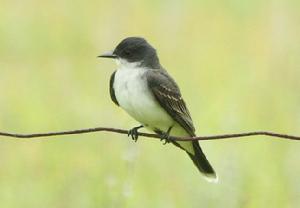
238, 66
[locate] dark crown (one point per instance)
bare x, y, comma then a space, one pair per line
136, 49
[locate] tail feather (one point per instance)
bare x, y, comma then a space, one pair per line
202, 163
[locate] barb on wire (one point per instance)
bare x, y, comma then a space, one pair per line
122, 131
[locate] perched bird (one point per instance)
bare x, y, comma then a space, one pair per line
145, 90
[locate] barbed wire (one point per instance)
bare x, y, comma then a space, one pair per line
148, 135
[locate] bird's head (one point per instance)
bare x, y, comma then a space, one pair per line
134, 50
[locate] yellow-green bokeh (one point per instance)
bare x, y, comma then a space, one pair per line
238, 65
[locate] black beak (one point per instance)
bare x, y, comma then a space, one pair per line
108, 54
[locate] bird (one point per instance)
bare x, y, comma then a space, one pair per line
144, 89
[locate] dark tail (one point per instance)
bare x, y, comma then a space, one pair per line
202, 163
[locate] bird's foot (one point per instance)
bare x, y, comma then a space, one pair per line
165, 136
134, 133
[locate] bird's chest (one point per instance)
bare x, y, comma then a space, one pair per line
134, 96
131, 90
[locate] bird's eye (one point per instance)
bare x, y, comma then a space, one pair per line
127, 52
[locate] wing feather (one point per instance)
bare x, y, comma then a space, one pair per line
112, 90
168, 95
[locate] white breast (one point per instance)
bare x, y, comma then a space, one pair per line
133, 96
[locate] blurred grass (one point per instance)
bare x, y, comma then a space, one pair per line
242, 57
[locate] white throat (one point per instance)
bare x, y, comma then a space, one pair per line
123, 64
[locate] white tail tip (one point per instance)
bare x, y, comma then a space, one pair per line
212, 178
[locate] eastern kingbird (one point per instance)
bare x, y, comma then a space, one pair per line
145, 90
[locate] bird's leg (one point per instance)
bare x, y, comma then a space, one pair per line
166, 135
134, 132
